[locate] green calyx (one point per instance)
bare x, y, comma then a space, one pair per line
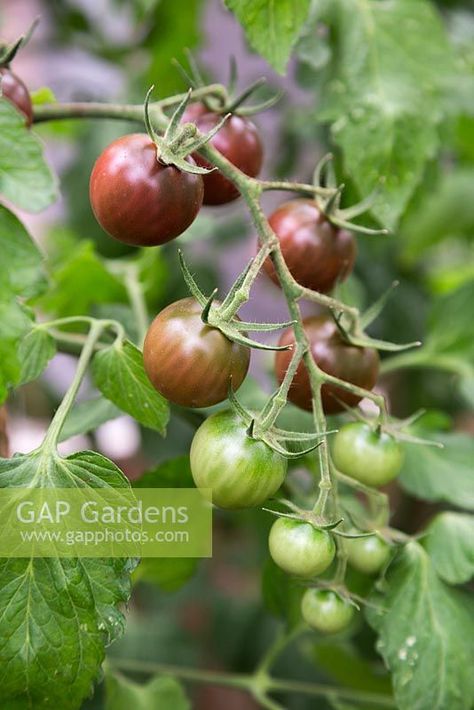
273, 437
233, 103
324, 181
179, 140
9, 52
214, 316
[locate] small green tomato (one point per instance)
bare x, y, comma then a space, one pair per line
299, 548
371, 457
367, 554
326, 611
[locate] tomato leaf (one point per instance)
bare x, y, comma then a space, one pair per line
25, 179
15, 322
383, 95
162, 692
57, 615
272, 28
449, 543
426, 635
119, 374
35, 351
21, 262
438, 474
80, 282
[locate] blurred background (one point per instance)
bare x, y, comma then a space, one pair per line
210, 614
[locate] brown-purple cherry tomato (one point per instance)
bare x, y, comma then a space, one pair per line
189, 362
333, 355
139, 200
317, 253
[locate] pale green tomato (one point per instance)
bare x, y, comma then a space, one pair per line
326, 611
367, 554
371, 457
299, 548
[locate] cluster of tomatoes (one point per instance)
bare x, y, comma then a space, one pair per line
142, 201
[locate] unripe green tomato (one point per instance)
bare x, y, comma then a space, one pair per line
299, 548
326, 611
242, 472
367, 554
369, 456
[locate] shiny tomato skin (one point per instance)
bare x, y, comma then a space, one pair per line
367, 554
139, 200
371, 457
326, 611
317, 254
188, 362
13, 89
241, 472
299, 548
334, 356
238, 141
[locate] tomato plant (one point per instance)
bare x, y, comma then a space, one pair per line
326, 611
357, 365
299, 548
241, 472
317, 254
139, 200
188, 362
141, 357
371, 457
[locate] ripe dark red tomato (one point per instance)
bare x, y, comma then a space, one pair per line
333, 355
139, 200
316, 253
13, 89
189, 362
239, 142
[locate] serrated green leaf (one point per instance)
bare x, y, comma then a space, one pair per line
88, 415
21, 262
383, 95
438, 474
35, 351
81, 282
57, 615
119, 374
426, 635
162, 692
450, 544
271, 26
14, 324
25, 178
